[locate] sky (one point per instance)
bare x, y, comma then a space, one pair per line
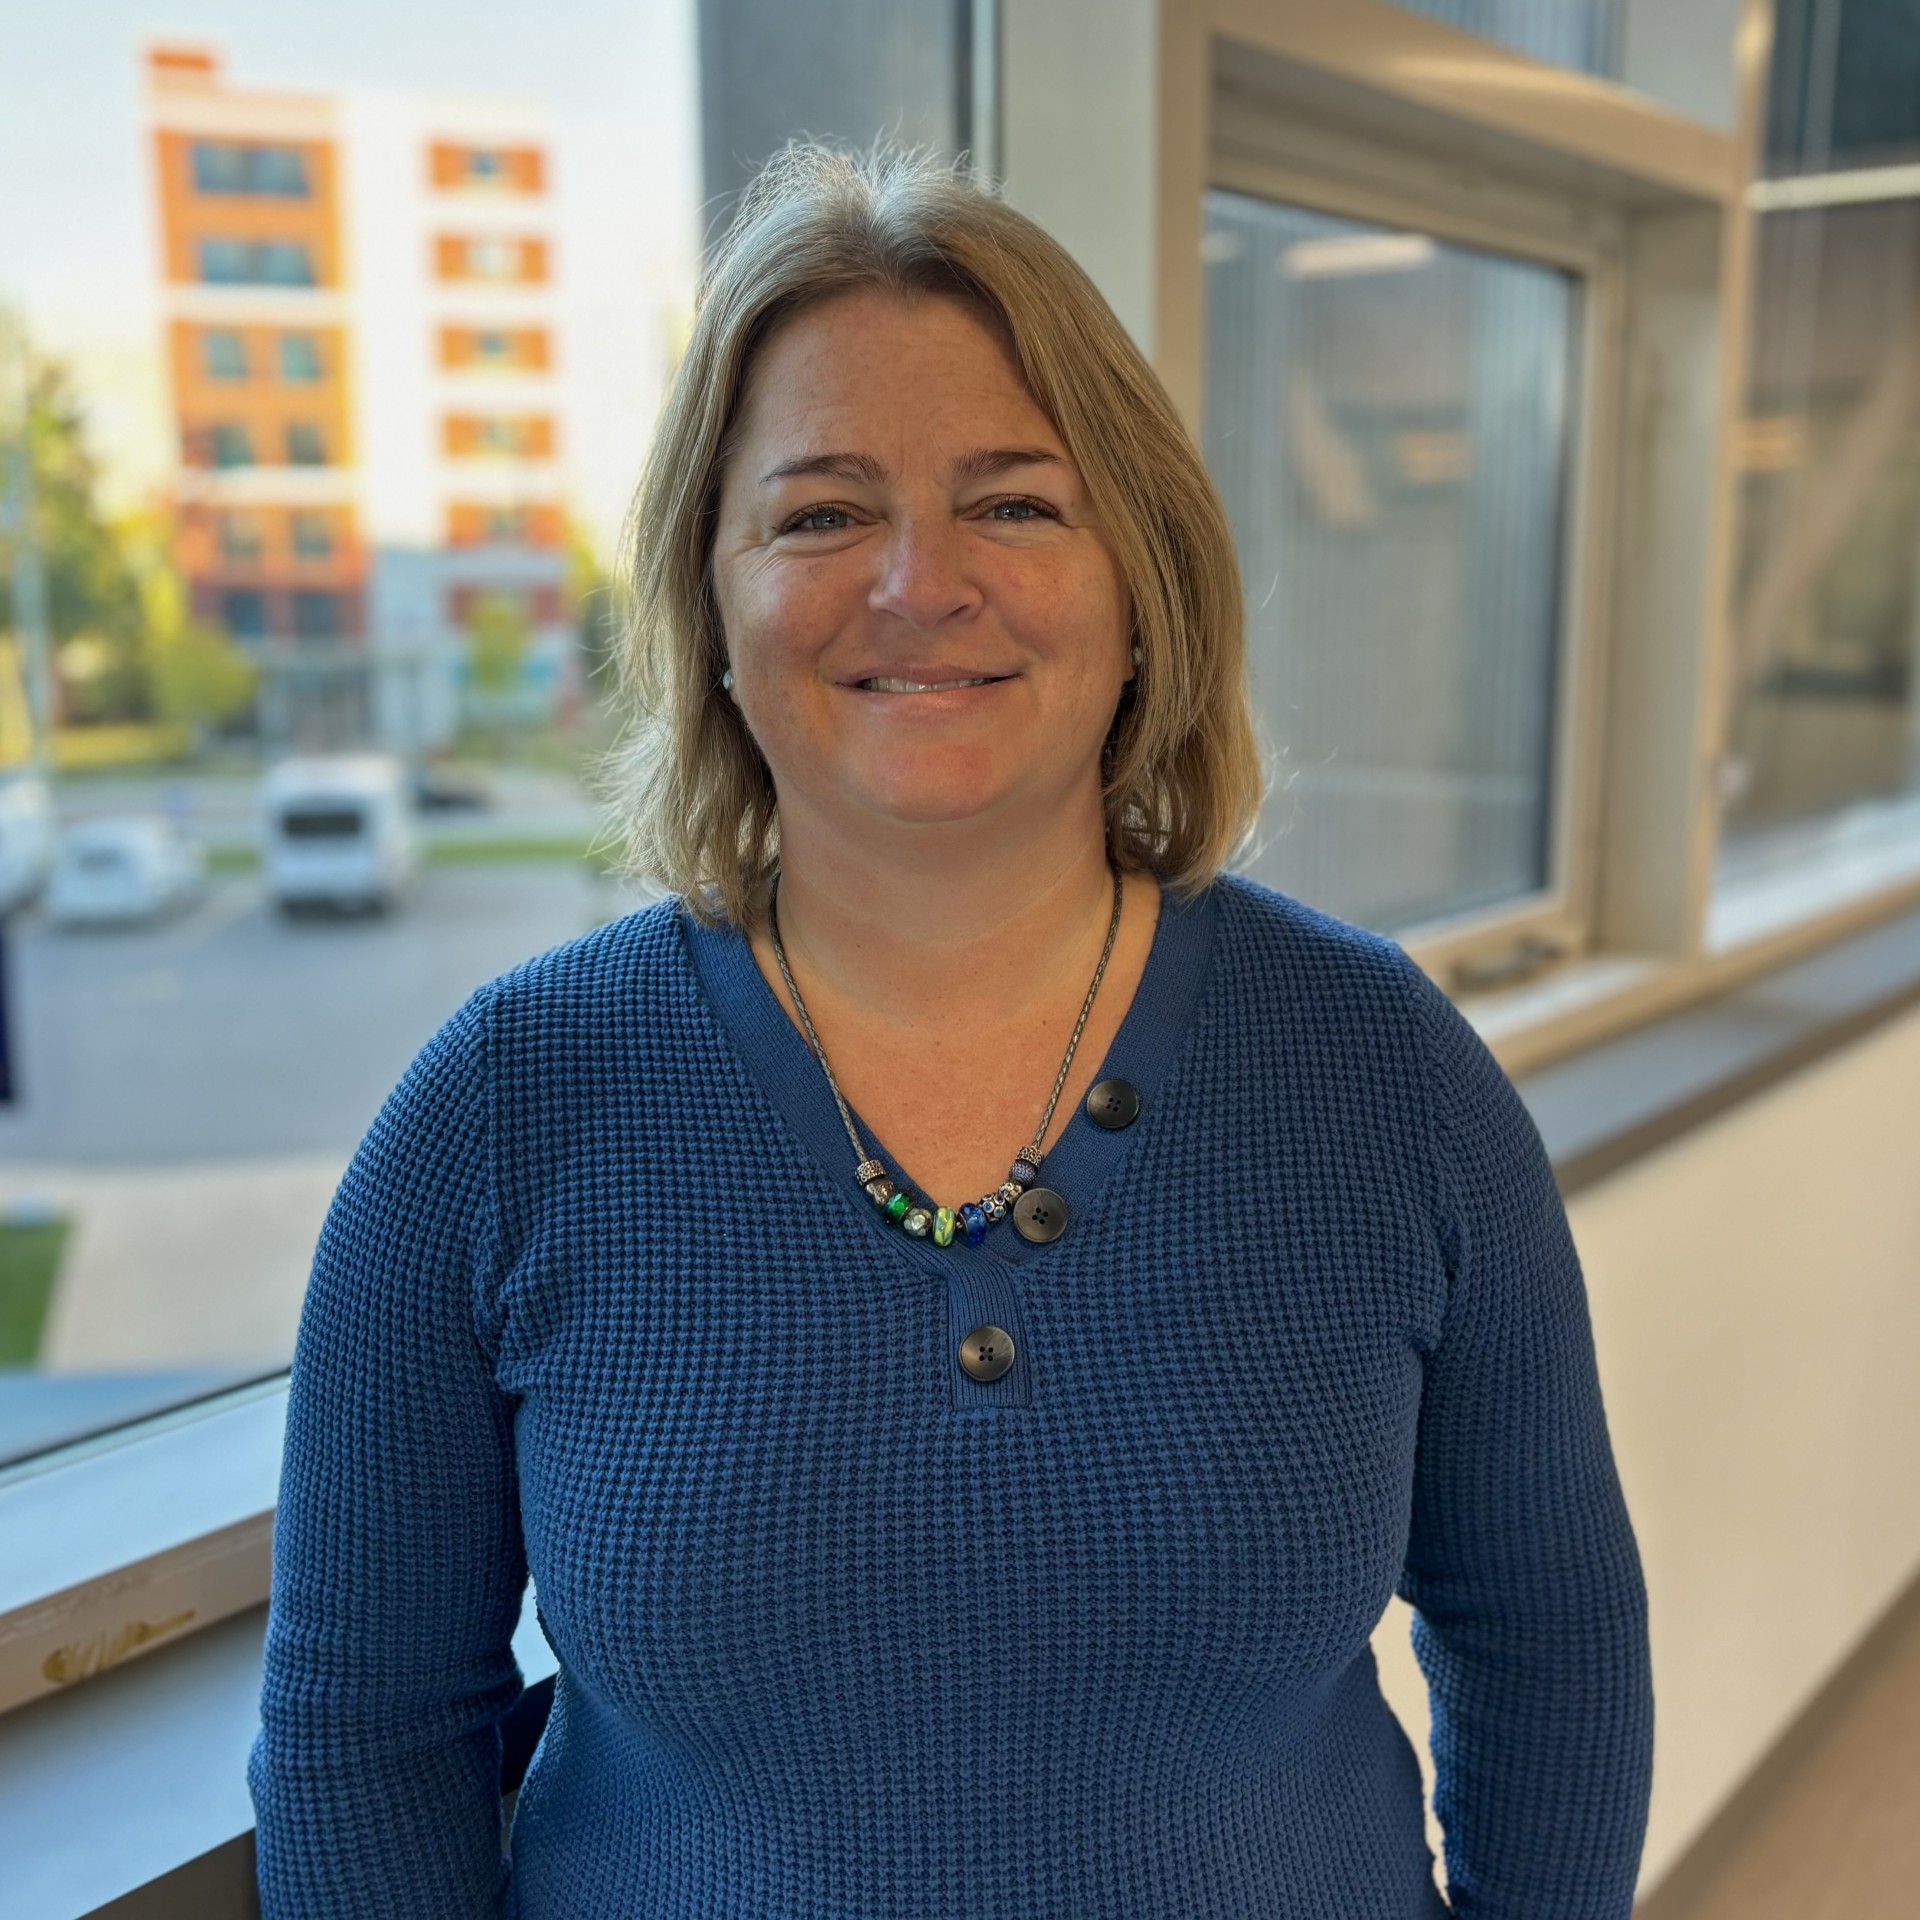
76, 228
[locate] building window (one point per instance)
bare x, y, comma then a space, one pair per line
1387, 419
509, 169
229, 446
243, 612
299, 357
485, 524
499, 436
496, 349
225, 354
246, 263
316, 615
490, 257
221, 166
240, 537
312, 536
305, 446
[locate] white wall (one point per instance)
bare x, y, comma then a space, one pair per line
1756, 1302
1079, 126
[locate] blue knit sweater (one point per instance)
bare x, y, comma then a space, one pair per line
845, 1634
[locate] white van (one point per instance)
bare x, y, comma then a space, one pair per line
338, 831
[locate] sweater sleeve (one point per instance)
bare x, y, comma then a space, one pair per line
398, 1568
1521, 1564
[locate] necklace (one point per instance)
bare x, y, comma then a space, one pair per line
922, 1218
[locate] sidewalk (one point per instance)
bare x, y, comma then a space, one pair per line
180, 1266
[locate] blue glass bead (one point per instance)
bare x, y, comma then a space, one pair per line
975, 1223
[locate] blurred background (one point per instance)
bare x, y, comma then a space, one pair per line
1557, 363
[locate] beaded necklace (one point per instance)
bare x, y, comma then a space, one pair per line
905, 1209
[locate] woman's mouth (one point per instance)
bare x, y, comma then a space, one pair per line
887, 683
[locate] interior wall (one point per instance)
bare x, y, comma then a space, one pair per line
1755, 1290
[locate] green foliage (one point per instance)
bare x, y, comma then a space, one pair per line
93, 596
29, 1265
125, 647
498, 634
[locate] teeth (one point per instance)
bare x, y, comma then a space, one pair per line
884, 684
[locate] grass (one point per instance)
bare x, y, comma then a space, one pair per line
449, 853
29, 1264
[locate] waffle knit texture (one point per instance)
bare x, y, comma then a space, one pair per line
844, 1634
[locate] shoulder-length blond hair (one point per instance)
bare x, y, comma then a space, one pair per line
1180, 769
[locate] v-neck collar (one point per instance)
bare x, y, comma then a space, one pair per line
1083, 1155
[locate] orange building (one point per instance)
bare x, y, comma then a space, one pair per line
361, 344
258, 351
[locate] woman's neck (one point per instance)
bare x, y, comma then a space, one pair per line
950, 925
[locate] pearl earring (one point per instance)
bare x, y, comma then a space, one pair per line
726, 681
1136, 656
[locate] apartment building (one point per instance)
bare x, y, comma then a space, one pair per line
359, 292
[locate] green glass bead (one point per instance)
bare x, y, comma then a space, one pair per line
943, 1226
896, 1208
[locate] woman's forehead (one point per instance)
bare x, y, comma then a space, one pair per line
933, 361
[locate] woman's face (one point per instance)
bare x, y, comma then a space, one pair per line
924, 624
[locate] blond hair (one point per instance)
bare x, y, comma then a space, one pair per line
1180, 770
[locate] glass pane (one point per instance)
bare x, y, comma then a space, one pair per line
1584, 34
1821, 777
1845, 85
1387, 420
204, 1022
1824, 723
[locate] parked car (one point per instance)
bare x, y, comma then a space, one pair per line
27, 835
338, 831
130, 870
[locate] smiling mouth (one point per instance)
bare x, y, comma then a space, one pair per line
885, 683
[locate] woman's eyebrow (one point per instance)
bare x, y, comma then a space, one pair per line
984, 462
837, 466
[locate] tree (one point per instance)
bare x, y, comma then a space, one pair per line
125, 646
93, 598
497, 634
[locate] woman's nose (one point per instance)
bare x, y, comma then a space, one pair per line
924, 578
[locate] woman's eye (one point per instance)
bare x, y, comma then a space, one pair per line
1018, 510
819, 520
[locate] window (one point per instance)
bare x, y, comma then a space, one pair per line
271, 263
299, 357
1387, 419
305, 446
243, 612
1820, 774
490, 257
509, 436
225, 167
312, 535
516, 169
224, 354
316, 615
230, 445
240, 539
1584, 34
503, 349
484, 524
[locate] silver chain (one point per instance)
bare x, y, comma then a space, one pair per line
820, 1052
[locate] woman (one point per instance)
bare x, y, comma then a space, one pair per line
967, 1314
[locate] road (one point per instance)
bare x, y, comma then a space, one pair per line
234, 1032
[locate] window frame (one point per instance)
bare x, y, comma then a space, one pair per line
1290, 164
